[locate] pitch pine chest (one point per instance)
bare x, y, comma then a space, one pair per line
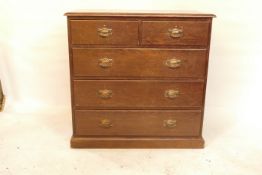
138, 79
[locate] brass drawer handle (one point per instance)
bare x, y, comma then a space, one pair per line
170, 123
171, 93
105, 93
105, 62
105, 123
173, 63
176, 32
104, 31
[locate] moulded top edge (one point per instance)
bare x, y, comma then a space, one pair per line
128, 13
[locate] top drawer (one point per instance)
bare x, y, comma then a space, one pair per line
175, 33
104, 32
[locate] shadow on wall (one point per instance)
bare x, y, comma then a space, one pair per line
7, 71
2, 98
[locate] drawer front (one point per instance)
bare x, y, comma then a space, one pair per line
139, 63
137, 94
104, 32
137, 122
175, 33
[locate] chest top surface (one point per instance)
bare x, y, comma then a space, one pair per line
141, 13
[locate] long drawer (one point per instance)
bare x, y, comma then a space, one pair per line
137, 94
139, 63
137, 122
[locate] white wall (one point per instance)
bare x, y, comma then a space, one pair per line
34, 58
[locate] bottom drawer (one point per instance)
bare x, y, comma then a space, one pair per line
137, 122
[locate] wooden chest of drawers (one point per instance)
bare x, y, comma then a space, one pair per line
138, 79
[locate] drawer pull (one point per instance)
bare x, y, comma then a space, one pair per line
173, 63
105, 93
175, 32
170, 123
105, 62
105, 123
171, 93
104, 32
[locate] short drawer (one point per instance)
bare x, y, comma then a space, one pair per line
104, 32
175, 33
137, 94
137, 123
139, 63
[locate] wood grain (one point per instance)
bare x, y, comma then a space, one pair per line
86, 32
137, 122
140, 13
139, 63
137, 142
156, 33
137, 94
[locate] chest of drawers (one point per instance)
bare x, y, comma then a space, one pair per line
138, 79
